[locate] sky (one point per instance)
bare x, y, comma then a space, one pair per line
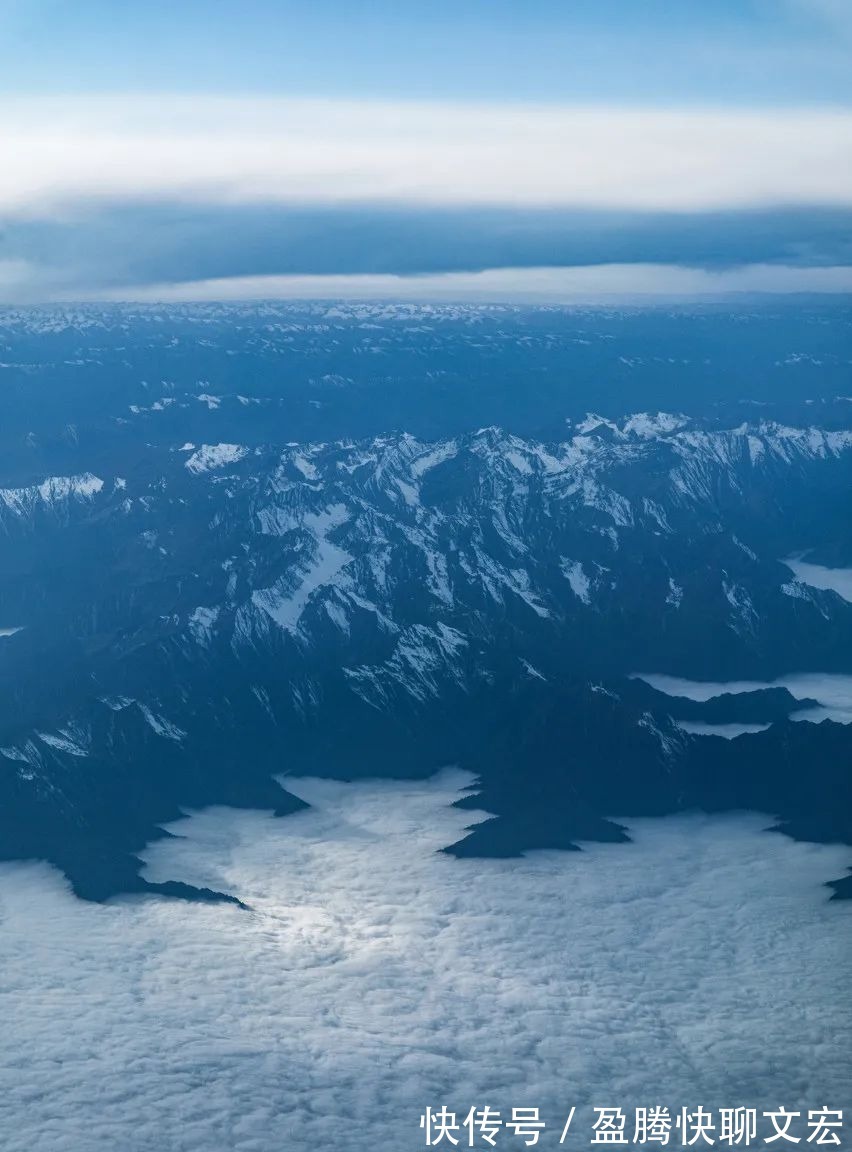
372, 977
173, 151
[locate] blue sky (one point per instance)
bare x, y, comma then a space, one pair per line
722, 51
150, 145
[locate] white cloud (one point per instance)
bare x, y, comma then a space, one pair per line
243, 150
838, 580
374, 976
726, 731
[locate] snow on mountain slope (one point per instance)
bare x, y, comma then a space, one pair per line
210, 456
54, 492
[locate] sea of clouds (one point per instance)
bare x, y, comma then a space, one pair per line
373, 976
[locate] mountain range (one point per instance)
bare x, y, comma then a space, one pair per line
369, 540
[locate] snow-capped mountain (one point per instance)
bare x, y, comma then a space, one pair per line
185, 615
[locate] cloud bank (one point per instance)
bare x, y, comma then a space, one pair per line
230, 150
375, 976
105, 195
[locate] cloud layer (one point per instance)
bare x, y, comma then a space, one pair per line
602, 284
131, 246
230, 150
703, 964
106, 195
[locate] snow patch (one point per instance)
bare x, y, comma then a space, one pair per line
675, 594
160, 725
201, 624
573, 572
285, 602
210, 456
433, 458
65, 741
